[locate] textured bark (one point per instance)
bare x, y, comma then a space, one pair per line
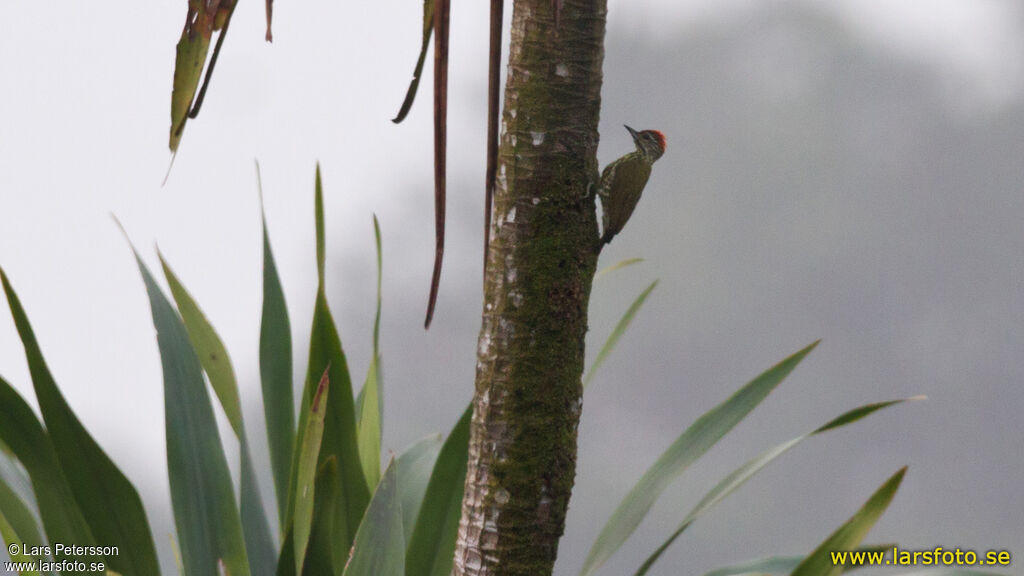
541, 260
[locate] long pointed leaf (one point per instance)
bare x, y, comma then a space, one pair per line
214, 358
379, 548
108, 501
850, 534
255, 526
339, 425
340, 435
205, 513
619, 330
322, 555
691, 445
213, 355
21, 431
369, 404
428, 29
432, 545
276, 374
368, 408
309, 452
738, 477
413, 474
380, 282
617, 266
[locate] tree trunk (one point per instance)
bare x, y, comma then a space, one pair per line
541, 261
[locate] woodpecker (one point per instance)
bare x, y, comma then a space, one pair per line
623, 181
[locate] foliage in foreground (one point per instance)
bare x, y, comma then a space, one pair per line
337, 512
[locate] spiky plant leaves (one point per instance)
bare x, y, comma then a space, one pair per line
368, 411
276, 375
322, 556
379, 548
205, 513
738, 477
617, 266
369, 405
309, 453
21, 431
340, 441
380, 281
108, 501
850, 534
617, 333
692, 444
413, 469
213, 356
431, 548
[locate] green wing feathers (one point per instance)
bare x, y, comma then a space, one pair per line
622, 184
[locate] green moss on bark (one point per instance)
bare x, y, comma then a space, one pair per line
541, 264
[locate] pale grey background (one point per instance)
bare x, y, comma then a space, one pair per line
847, 170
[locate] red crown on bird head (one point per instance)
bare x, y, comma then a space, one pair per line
661, 138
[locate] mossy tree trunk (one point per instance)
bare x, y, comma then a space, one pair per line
543, 252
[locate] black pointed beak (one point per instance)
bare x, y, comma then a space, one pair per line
632, 132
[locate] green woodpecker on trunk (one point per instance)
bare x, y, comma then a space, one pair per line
623, 181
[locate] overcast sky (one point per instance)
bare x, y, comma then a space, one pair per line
845, 170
